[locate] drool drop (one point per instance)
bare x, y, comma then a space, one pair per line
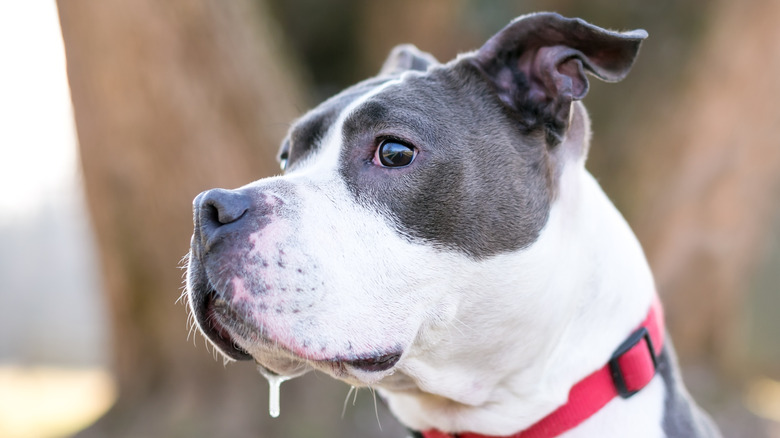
274, 382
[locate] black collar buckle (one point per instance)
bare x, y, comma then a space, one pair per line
625, 347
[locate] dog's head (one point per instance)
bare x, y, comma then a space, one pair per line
402, 197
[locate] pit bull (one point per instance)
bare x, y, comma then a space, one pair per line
436, 236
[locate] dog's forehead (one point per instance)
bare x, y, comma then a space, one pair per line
308, 132
475, 173
415, 108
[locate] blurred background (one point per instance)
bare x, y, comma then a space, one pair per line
162, 100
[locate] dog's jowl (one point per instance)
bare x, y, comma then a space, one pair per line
435, 235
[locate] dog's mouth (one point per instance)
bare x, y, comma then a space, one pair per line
374, 364
222, 321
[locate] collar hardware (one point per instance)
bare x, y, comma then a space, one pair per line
637, 344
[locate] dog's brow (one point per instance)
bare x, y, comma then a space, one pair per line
370, 115
308, 131
311, 129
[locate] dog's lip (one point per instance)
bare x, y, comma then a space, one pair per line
374, 364
216, 331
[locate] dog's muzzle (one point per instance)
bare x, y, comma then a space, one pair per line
223, 251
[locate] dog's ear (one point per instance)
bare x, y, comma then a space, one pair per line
406, 57
538, 63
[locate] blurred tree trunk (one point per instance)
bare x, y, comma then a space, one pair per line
711, 168
435, 26
170, 98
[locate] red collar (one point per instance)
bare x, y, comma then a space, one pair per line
630, 369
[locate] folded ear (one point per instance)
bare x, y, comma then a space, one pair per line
538, 63
407, 57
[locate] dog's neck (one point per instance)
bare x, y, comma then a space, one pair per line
532, 323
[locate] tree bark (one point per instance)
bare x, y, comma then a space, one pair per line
711, 173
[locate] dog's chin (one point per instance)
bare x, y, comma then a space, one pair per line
287, 367
358, 372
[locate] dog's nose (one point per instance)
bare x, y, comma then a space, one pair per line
215, 209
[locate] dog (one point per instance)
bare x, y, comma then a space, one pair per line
435, 236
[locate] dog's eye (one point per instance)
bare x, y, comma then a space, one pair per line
283, 160
392, 153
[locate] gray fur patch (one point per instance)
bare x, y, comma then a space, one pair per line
481, 183
307, 132
682, 416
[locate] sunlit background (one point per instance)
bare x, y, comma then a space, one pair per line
53, 341
53, 346
59, 365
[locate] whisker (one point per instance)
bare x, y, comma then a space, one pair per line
346, 400
376, 408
